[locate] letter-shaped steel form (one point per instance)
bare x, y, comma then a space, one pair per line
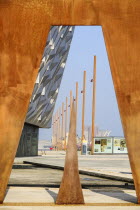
70, 191
24, 26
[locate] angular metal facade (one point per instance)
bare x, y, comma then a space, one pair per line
49, 77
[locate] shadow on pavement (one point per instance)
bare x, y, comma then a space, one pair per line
118, 194
52, 194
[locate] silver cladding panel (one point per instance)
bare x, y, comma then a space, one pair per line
49, 77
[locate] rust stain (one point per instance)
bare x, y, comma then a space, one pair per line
70, 191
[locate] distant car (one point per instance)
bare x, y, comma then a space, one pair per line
51, 148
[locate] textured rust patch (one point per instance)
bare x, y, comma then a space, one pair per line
24, 26
70, 191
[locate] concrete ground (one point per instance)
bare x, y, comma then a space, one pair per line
113, 197
52, 177
48, 195
110, 165
44, 198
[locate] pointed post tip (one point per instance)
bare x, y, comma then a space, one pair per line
70, 191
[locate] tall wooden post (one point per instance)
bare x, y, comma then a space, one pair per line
76, 109
70, 100
83, 108
62, 127
66, 118
70, 191
70, 105
53, 130
93, 105
59, 128
56, 134
56, 131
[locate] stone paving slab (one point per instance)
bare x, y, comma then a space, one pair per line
48, 195
107, 165
119, 174
47, 177
23, 198
125, 174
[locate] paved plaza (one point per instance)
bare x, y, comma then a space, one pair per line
99, 192
44, 198
108, 165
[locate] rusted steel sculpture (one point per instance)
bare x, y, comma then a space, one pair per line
24, 26
70, 191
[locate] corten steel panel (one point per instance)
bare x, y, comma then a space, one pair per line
23, 30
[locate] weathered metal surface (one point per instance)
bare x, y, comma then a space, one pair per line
22, 40
70, 191
24, 26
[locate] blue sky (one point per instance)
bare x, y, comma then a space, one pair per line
87, 42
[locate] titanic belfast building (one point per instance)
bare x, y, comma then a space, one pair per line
46, 88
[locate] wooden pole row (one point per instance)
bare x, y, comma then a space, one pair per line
59, 135
60, 119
